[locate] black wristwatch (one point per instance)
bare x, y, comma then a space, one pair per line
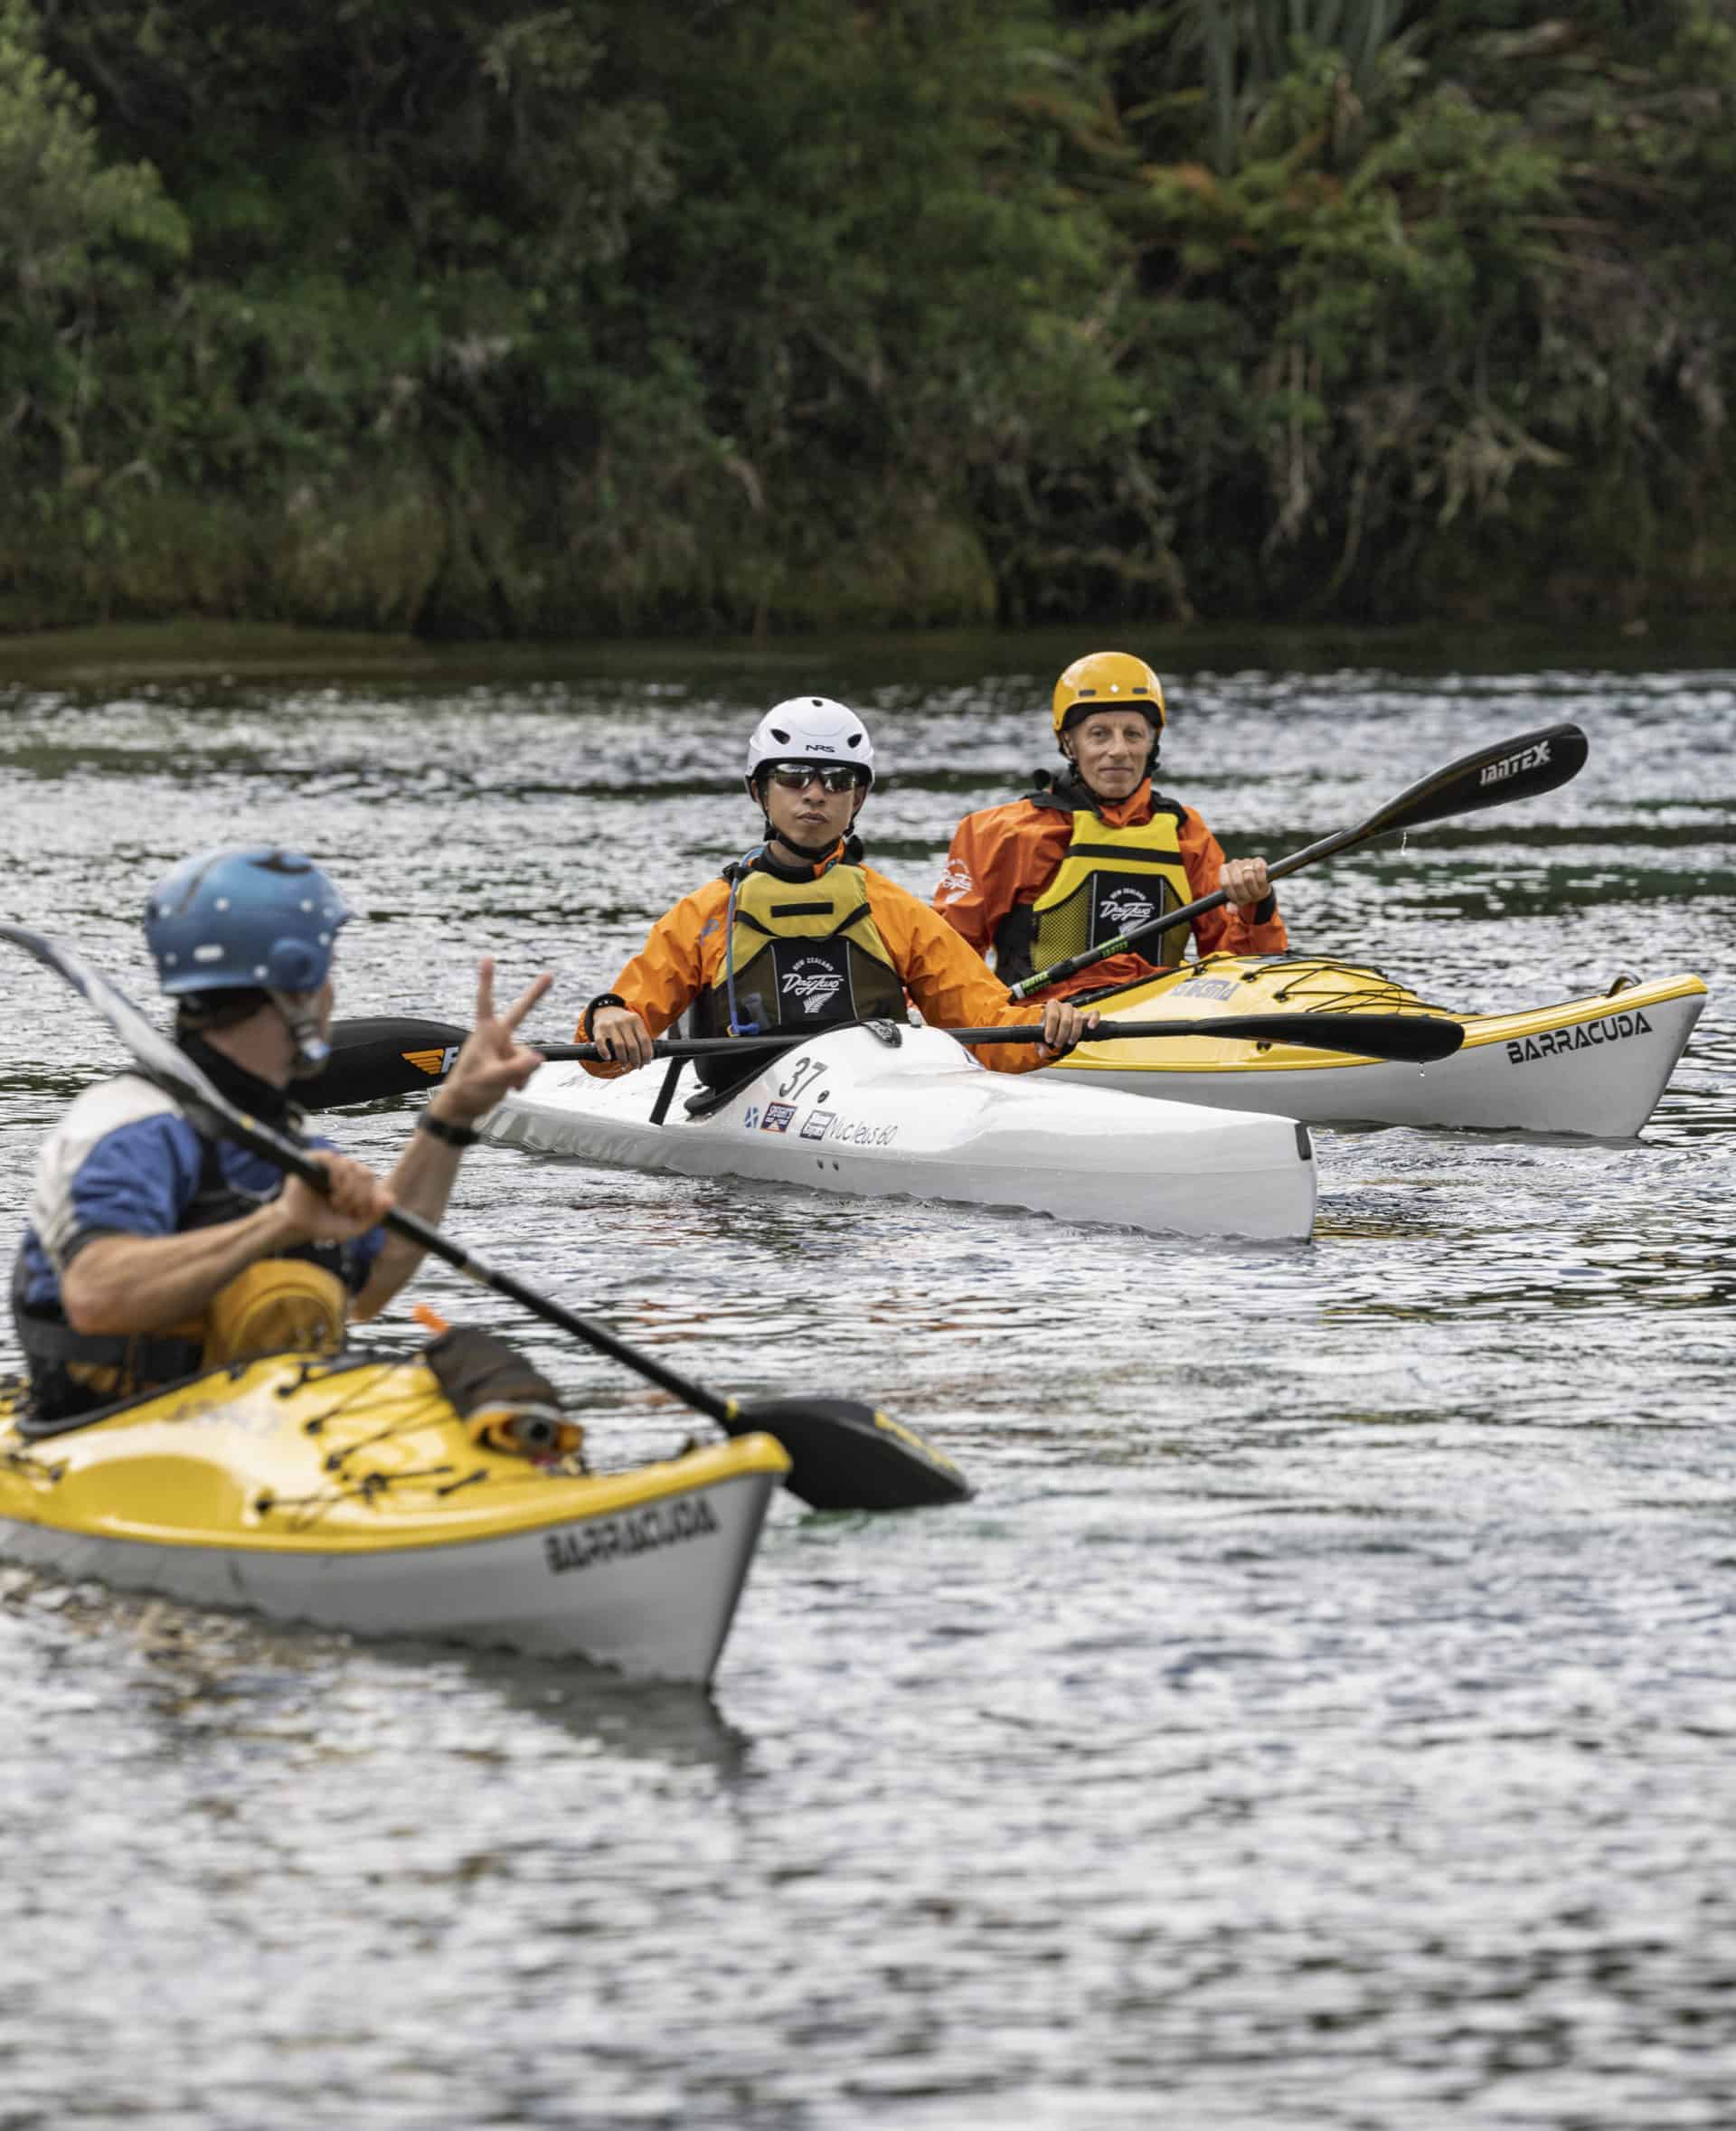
452, 1135
602, 999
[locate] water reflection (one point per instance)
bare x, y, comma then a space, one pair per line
194, 1670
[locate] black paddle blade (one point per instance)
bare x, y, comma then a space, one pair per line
1405, 1038
1520, 768
379, 1055
844, 1456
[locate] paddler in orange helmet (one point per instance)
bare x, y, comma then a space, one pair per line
799, 934
1098, 849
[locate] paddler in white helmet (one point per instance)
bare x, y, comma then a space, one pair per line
1097, 850
151, 1253
800, 934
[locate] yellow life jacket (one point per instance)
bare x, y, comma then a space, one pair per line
804, 956
1109, 880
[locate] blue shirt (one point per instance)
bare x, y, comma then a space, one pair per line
124, 1161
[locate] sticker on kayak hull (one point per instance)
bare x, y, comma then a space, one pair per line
778, 1116
851, 1132
817, 1124
1615, 1028
1207, 987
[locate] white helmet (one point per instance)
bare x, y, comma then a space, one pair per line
810, 728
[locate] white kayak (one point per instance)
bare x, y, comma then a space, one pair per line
850, 1112
1592, 1066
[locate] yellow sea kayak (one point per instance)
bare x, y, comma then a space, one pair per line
346, 1491
1594, 1066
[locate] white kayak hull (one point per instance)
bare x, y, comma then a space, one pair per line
1594, 1067
850, 1114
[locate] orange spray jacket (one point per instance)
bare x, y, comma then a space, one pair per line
947, 980
1006, 856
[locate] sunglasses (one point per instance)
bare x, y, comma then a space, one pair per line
796, 777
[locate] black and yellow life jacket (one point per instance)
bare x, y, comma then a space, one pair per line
802, 955
1111, 880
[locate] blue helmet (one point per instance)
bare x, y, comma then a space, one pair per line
241, 918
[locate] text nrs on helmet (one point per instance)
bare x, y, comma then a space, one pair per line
1109, 681
252, 917
809, 728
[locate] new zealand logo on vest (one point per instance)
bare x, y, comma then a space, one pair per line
1124, 905
809, 985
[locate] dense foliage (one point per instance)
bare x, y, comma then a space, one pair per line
489, 318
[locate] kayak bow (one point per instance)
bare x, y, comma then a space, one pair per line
1593, 1066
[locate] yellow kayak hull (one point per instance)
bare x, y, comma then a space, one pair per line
347, 1492
1593, 1066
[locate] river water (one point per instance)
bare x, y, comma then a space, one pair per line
1322, 1717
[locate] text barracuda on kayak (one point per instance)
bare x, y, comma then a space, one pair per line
665, 1523
1614, 1028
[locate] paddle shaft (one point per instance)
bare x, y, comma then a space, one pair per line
1518, 769
371, 1066
1400, 1035
275, 1148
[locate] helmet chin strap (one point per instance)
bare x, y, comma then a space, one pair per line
302, 1021
813, 852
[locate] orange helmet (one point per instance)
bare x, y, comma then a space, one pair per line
1107, 681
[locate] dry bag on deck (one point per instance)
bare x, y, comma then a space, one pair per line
276, 1306
505, 1401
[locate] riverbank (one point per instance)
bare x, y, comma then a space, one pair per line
122, 656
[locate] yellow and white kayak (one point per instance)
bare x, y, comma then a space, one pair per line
346, 1491
1594, 1066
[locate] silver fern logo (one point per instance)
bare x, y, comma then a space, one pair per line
811, 984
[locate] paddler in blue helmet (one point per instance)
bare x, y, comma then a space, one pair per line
799, 933
1097, 849
151, 1253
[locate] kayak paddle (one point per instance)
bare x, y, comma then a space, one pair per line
377, 1056
1521, 768
844, 1455
1409, 1039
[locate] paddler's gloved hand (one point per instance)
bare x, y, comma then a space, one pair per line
1063, 1026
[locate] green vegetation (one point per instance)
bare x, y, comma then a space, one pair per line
481, 318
